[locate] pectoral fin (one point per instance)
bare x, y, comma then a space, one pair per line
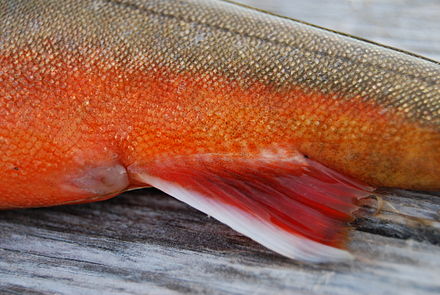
288, 203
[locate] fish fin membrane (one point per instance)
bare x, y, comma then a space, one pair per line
288, 203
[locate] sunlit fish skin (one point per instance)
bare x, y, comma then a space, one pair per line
274, 127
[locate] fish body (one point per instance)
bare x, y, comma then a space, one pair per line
266, 123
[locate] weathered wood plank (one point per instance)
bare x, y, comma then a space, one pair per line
146, 242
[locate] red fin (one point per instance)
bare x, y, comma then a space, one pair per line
272, 198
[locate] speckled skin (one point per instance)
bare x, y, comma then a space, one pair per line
90, 84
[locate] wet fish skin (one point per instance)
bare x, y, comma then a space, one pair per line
245, 48
94, 92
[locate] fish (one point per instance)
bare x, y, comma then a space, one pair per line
275, 127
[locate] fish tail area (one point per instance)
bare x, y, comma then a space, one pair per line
286, 202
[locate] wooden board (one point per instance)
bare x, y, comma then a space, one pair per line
145, 242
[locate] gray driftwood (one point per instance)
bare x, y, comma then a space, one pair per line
145, 242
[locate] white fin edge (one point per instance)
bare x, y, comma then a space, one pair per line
268, 235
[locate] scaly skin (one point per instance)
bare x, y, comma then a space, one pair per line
85, 84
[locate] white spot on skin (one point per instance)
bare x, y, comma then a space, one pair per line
198, 38
276, 155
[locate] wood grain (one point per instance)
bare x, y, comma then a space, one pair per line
145, 242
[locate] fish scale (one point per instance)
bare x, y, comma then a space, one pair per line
243, 114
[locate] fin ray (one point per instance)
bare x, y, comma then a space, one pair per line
292, 205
